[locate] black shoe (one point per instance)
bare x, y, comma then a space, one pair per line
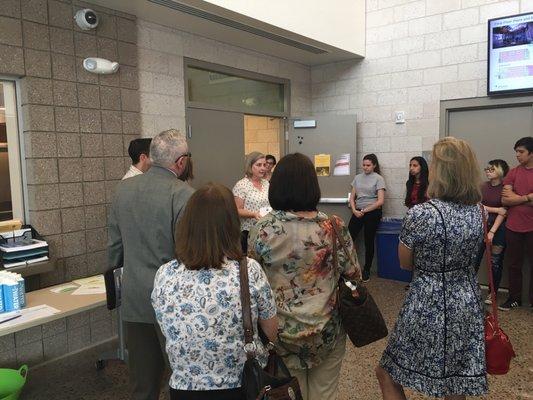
407, 287
366, 275
509, 304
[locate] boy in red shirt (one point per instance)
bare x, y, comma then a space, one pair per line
518, 196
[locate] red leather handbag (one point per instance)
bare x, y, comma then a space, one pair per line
498, 348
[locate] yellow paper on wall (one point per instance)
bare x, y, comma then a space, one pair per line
322, 164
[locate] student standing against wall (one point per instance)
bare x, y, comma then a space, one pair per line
491, 198
417, 183
366, 199
139, 152
518, 196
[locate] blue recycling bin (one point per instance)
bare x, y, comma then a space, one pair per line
387, 249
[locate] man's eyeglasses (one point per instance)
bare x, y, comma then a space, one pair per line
188, 154
270, 162
489, 169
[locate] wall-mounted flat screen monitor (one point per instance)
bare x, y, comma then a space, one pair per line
510, 55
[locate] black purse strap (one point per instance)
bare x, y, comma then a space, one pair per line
249, 344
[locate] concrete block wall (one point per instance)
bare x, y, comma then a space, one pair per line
262, 134
161, 81
76, 128
418, 53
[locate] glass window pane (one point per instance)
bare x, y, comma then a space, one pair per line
6, 207
234, 92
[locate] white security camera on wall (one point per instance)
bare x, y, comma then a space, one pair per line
86, 19
100, 65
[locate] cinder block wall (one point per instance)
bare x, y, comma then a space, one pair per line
161, 80
76, 128
418, 53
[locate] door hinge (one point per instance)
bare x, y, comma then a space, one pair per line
189, 131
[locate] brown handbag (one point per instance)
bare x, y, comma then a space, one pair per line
273, 382
360, 315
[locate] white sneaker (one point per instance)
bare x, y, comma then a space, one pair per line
488, 300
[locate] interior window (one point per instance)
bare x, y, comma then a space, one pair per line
11, 198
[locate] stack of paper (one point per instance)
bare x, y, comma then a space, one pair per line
18, 248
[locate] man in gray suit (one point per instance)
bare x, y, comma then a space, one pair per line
141, 238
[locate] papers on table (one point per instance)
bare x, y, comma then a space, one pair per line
91, 285
30, 314
69, 287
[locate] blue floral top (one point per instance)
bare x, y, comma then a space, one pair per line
199, 312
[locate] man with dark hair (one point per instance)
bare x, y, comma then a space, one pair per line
518, 196
269, 165
139, 151
141, 227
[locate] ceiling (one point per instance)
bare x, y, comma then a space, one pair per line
210, 21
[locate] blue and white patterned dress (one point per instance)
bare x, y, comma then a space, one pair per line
437, 346
199, 312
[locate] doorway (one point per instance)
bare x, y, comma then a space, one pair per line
263, 134
230, 113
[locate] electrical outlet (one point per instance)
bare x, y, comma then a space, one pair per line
399, 117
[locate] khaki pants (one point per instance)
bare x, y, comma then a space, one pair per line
321, 382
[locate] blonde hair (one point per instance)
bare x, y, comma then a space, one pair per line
251, 159
454, 172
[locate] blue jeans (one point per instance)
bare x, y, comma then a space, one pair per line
498, 251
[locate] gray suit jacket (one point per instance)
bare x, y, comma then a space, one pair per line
141, 235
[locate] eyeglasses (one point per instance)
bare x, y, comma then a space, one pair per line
489, 169
270, 162
188, 154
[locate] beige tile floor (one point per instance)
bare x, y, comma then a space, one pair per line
75, 377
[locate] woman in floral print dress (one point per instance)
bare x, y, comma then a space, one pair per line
437, 346
294, 245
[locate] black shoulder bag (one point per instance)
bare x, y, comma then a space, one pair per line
275, 381
360, 316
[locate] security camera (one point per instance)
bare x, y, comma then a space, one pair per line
86, 19
100, 65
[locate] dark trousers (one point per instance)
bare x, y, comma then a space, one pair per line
370, 222
146, 359
228, 394
518, 244
498, 244
244, 242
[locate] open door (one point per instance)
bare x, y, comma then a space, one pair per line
216, 141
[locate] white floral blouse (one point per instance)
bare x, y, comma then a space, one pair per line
199, 312
254, 199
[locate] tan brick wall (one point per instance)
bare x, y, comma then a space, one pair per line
76, 129
262, 134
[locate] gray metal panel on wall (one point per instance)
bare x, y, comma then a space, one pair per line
216, 141
334, 135
492, 132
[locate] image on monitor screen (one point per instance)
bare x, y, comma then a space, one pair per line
512, 35
510, 55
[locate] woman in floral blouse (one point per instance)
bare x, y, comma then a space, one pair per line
197, 303
294, 245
